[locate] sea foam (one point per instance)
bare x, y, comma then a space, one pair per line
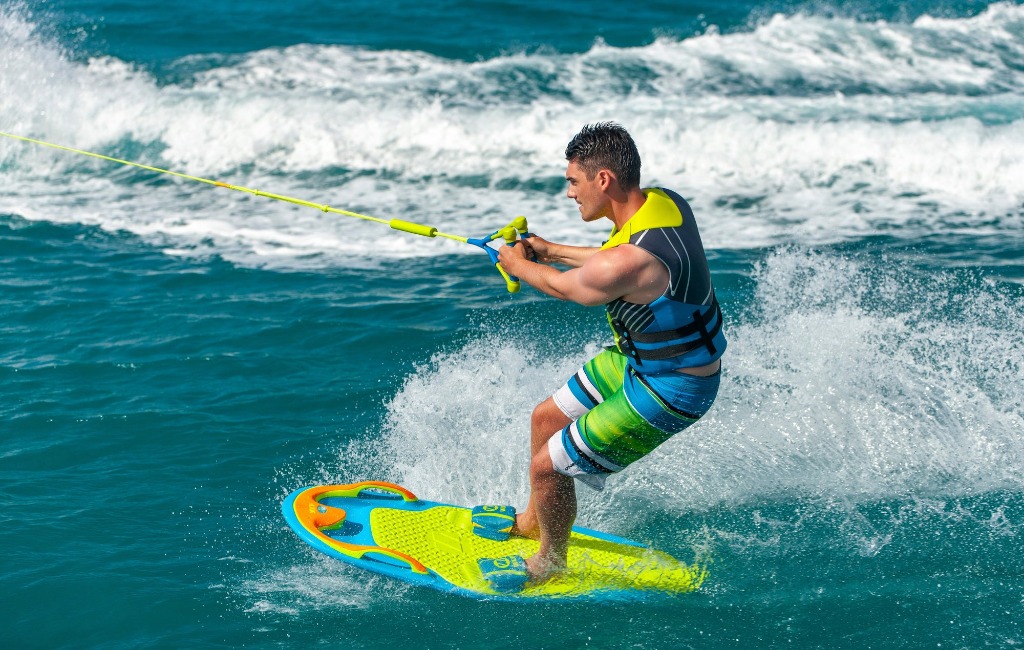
844, 380
804, 130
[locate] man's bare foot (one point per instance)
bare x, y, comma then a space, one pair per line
542, 569
522, 528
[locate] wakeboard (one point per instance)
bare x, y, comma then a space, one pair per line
384, 528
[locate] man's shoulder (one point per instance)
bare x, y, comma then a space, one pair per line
629, 269
625, 258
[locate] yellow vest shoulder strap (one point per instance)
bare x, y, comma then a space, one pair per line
658, 211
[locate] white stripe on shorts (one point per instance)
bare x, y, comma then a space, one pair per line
564, 465
569, 404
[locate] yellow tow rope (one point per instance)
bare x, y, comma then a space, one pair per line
509, 232
397, 224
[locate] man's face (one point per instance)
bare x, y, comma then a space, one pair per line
588, 194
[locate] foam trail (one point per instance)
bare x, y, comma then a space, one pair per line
317, 584
806, 130
470, 448
847, 381
859, 382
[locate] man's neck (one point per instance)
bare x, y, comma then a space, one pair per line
624, 209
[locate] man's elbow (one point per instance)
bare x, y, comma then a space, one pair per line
587, 298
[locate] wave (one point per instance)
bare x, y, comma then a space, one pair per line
848, 381
803, 130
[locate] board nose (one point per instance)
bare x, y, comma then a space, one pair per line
318, 515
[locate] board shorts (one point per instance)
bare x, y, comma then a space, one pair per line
619, 416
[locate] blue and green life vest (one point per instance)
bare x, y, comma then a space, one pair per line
682, 328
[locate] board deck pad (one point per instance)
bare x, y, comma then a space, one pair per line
382, 527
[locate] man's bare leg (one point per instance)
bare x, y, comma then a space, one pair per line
546, 421
554, 499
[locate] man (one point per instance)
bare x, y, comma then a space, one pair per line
663, 373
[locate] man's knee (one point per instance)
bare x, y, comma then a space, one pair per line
547, 418
544, 422
541, 467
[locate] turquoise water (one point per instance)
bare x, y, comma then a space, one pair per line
175, 359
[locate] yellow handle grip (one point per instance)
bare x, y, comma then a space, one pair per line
510, 284
519, 223
414, 228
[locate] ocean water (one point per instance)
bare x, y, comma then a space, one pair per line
176, 358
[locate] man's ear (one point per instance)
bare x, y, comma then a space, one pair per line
605, 179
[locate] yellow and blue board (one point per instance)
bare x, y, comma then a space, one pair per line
385, 528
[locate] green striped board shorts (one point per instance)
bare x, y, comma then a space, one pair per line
619, 416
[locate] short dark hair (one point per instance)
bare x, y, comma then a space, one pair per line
606, 145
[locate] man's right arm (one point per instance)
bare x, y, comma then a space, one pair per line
607, 275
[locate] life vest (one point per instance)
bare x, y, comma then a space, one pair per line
682, 328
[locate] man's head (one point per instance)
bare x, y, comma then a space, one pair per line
606, 145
